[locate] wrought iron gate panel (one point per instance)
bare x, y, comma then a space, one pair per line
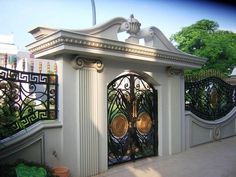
132, 119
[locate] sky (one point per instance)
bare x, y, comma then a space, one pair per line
17, 17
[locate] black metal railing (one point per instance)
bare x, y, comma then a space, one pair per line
210, 98
25, 98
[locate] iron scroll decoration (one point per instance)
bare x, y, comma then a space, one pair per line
132, 119
210, 98
29, 97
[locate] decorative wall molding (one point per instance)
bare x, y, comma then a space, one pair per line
216, 133
26, 143
211, 124
199, 131
79, 62
173, 71
28, 132
107, 45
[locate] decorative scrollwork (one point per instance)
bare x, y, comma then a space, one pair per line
210, 98
173, 71
216, 133
79, 62
26, 98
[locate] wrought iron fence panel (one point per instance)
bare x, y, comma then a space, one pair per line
26, 98
210, 98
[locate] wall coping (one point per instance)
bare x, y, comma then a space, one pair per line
28, 132
220, 122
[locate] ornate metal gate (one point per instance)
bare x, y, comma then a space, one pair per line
132, 119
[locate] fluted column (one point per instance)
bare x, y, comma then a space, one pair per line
87, 120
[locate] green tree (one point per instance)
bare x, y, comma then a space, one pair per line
204, 39
8, 111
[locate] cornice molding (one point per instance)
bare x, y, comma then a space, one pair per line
69, 39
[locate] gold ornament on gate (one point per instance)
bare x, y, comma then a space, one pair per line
214, 98
119, 126
144, 123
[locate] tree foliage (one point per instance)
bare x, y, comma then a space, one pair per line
8, 112
204, 39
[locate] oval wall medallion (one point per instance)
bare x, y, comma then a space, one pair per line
216, 133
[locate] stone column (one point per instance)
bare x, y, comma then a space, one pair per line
87, 115
175, 110
183, 119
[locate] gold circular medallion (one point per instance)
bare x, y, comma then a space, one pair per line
119, 126
214, 98
144, 123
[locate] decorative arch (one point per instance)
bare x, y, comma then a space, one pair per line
132, 118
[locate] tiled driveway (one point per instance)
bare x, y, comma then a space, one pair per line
216, 159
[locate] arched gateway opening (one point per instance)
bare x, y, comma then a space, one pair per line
132, 119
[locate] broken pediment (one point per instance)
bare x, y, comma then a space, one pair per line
152, 36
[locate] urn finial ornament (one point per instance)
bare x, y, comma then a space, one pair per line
134, 25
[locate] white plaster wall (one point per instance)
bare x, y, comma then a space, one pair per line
53, 146
67, 114
30, 149
199, 131
37, 144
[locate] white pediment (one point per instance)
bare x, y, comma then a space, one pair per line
107, 30
152, 36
